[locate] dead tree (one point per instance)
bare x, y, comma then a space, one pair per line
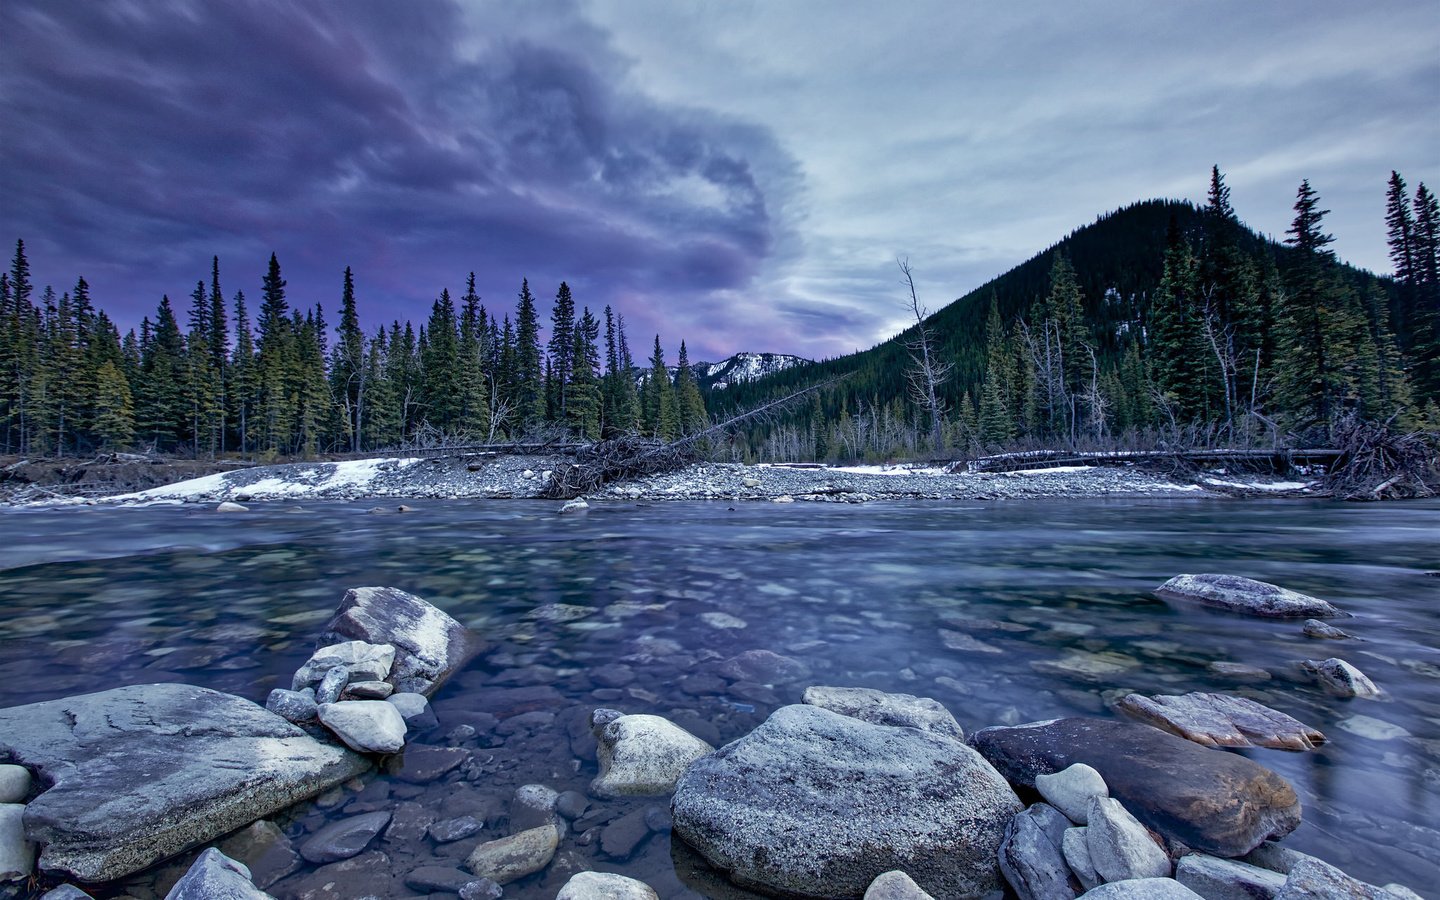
1379, 464
927, 372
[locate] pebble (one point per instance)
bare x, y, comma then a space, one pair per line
14, 783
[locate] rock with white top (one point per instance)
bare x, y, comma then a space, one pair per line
1071, 789
14, 783
369, 726
359, 660
1120, 847
215, 876
578, 505
228, 506
429, 645
880, 708
1340, 678
641, 755
895, 885
605, 886
1245, 595
1226, 879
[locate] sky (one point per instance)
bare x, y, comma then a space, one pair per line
739, 175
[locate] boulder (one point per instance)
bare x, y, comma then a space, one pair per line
1227, 879
143, 772
429, 645
17, 855
895, 885
1220, 720
1142, 889
1320, 631
1120, 847
215, 876
880, 708
369, 726
604, 886
1030, 855
345, 838
815, 803
1312, 879
14, 784
1071, 789
1209, 800
512, 858
642, 756
294, 706
1245, 595
1340, 678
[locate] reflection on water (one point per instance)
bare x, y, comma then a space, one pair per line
1005, 613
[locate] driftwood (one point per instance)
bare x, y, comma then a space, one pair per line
1379, 464
1276, 461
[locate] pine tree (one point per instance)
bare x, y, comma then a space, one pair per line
474, 393
441, 393
348, 365
202, 389
162, 414
275, 365
115, 421
19, 354
1426, 281
244, 395
660, 420
219, 355
1316, 323
1177, 358
996, 424
582, 408
529, 377
689, 405
561, 348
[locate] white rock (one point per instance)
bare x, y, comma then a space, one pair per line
643, 756
722, 620
1372, 728
1142, 889
1120, 847
370, 726
1071, 790
411, 705
1340, 678
215, 876
14, 784
1076, 851
604, 886
895, 885
1226, 879
17, 855
228, 506
578, 505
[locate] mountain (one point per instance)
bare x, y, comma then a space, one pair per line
744, 367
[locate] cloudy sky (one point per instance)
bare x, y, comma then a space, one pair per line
742, 175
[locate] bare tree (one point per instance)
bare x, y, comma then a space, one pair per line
927, 372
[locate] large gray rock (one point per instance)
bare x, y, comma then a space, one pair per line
642, 756
1120, 847
1030, 855
1312, 879
1340, 678
819, 804
369, 726
512, 858
1209, 800
880, 708
17, 855
14, 784
1245, 595
215, 876
143, 772
1071, 789
604, 886
429, 645
1142, 889
895, 885
1227, 879
1220, 720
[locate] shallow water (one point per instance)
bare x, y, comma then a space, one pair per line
99, 597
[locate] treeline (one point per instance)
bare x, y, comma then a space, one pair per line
284, 385
1161, 323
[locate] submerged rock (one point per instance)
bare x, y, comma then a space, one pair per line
815, 803
642, 756
880, 708
263, 849
1219, 720
429, 645
1245, 595
1209, 800
1314, 628
1340, 678
345, 838
512, 858
143, 772
215, 876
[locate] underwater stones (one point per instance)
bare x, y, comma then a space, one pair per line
263, 849
215, 876
641, 755
345, 838
880, 708
816, 803
1245, 595
960, 642
1338, 677
143, 772
763, 667
1219, 720
1320, 631
511, 858
1209, 800
1071, 789
422, 765
722, 621
429, 645
1372, 728
369, 726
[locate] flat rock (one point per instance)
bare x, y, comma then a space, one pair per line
429, 645
1030, 856
14, 784
422, 765
345, 838
369, 726
622, 837
17, 855
1142, 889
1321, 631
880, 708
1209, 800
642, 756
1220, 720
1227, 879
1071, 789
143, 772
960, 642
1245, 595
1312, 879
1340, 678
819, 804
763, 667
215, 876
895, 885
458, 828
1120, 847
512, 858
605, 886
263, 849
444, 879
1075, 846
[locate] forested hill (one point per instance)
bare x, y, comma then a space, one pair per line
1159, 321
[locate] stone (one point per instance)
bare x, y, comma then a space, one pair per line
14, 784
1239, 671
345, 838
1142, 889
1120, 847
763, 667
571, 804
960, 642
422, 765
215, 876
1313, 879
1227, 879
532, 806
294, 706
443, 879
642, 756
722, 621
228, 506
1209, 800
880, 708
1220, 720
429, 645
816, 803
369, 726
17, 855
409, 823
414, 709
455, 829
895, 885
1340, 678
1076, 849
1030, 856
263, 849
622, 836
481, 889
512, 858
578, 505
141, 773
605, 886
1320, 631
1372, 728
1245, 595
367, 690
331, 685
1071, 789
65, 892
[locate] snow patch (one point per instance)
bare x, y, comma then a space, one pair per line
1053, 470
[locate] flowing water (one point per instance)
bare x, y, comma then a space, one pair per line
618, 608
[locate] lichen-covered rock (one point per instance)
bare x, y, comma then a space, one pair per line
1340, 678
605, 886
1071, 789
642, 756
1245, 595
880, 708
429, 645
1219, 720
512, 858
820, 804
215, 876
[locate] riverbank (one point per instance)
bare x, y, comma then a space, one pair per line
525, 477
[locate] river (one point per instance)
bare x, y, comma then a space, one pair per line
97, 597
